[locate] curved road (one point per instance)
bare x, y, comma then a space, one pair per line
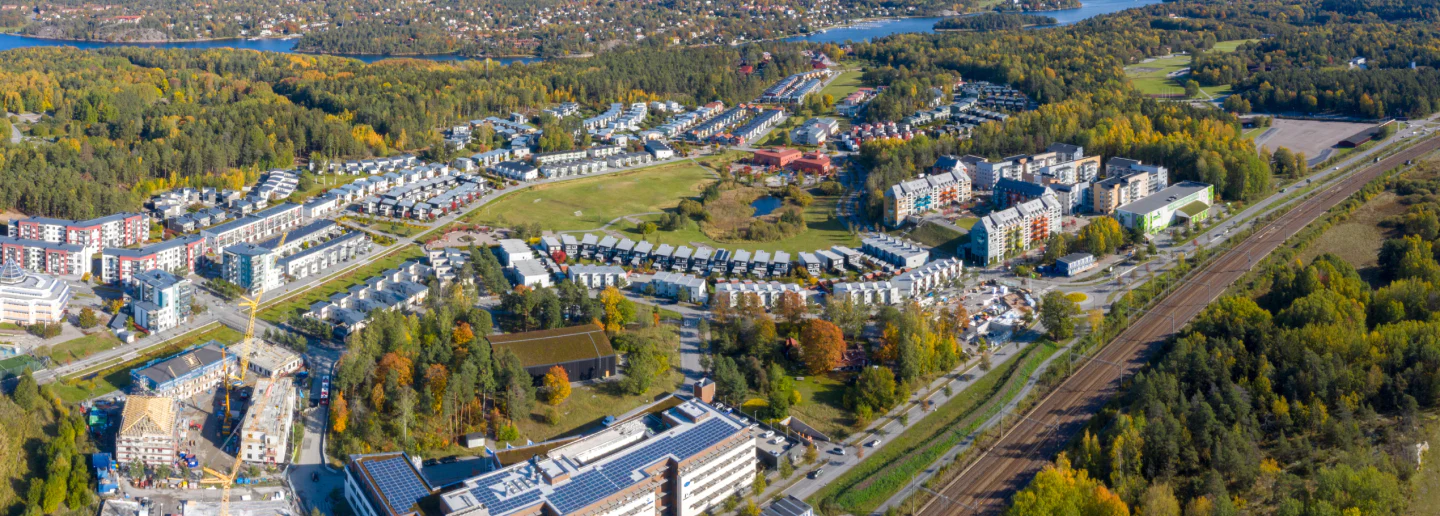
986, 485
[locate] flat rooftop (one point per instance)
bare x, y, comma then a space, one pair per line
578, 475
1164, 197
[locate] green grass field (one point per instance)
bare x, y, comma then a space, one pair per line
588, 405
1150, 78
1230, 46
297, 304
76, 349
822, 404
823, 232
81, 387
591, 203
845, 84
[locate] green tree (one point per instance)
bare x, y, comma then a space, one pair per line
1056, 313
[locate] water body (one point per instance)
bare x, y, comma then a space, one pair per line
766, 205
878, 29
861, 32
9, 41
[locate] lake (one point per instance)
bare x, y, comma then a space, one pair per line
766, 205
865, 31
868, 31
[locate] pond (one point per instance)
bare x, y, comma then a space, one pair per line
766, 205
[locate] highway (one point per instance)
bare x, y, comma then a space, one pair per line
986, 485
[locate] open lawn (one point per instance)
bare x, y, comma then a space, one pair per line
1230, 46
76, 349
588, 405
845, 84
823, 232
1152, 77
938, 236
822, 404
297, 304
75, 389
591, 203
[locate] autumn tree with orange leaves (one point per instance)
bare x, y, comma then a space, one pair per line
557, 385
823, 345
339, 413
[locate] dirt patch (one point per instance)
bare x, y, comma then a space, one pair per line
9, 215
1311, 137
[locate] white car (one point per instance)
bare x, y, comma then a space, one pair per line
875, 443
768, 434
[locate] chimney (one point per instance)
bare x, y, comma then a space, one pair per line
704, 390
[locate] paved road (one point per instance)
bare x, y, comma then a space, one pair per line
986, 485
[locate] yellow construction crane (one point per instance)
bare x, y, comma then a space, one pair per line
246, 345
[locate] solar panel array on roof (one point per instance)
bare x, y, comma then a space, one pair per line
608, 478
397, 483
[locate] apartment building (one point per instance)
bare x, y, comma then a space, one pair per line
265, 432
147, 432
1013, 230
1009, 192
696, 458
1157, 177
894, 251
926, 194
764, 294
121, 264
161, 300
186, 373
251, 267
46, 257
118, 230
263, 225
1127, 181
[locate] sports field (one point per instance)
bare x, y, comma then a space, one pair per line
1152, 77
591, 203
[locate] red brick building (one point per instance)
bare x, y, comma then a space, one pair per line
813, 163
779, 158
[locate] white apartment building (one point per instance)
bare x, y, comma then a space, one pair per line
597, 276
765, 293
1014, 229
265, 432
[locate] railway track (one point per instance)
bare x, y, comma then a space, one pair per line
986, 485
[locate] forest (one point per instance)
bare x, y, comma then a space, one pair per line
993, 21
1306, 396
418, 382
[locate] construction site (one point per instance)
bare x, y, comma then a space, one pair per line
221, 415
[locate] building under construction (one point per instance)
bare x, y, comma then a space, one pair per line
186, 373
265, 432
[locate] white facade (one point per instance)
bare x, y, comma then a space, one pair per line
265, 432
